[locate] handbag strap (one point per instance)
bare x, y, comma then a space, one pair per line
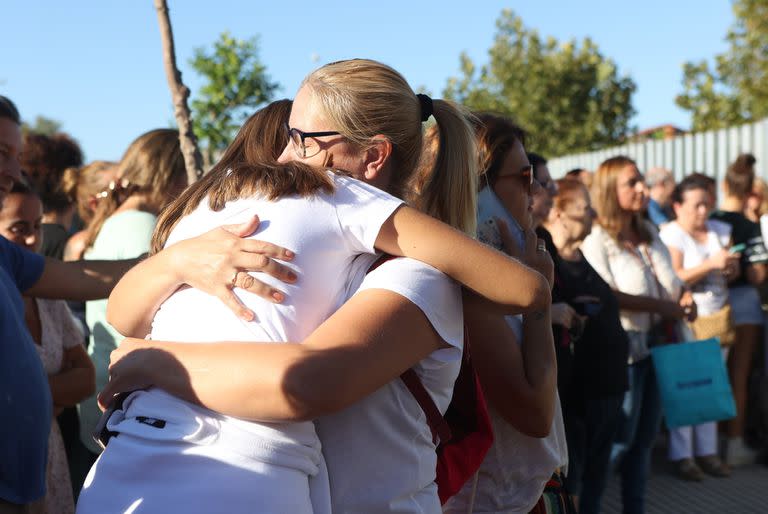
441, 432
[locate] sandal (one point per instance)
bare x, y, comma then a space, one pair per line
688, 470
713, 465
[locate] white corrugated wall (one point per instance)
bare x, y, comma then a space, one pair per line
707, 152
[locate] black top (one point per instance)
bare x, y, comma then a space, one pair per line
600, 353
562, 337
55, 238
744, 232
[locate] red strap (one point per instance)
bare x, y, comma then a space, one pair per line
441, 432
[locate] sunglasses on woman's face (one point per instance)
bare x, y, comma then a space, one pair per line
525, 176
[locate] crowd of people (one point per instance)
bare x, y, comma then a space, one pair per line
257, 353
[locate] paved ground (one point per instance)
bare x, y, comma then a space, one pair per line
745, 492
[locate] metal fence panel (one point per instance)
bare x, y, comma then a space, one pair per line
709, 152
722, 155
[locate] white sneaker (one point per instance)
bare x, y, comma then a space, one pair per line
738, 453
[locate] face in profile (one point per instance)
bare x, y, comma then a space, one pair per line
21, 220
319, 150
630, 189
544, 195
578, 216
514, 188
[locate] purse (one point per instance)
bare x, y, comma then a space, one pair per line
718, 324
555, 498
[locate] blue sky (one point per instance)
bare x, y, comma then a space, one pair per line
95, 65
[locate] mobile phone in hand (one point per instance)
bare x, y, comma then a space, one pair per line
737, 248
489, 207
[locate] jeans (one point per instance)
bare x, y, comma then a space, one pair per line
590, 432
638, 427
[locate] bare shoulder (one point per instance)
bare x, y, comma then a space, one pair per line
75, 247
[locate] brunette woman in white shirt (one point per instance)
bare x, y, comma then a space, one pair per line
627, 253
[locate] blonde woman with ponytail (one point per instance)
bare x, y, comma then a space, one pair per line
149, 175
86, 186
362, 118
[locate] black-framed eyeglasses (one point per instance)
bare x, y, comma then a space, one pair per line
299, 140
525, 176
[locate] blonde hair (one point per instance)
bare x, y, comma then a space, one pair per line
364, 98
150, 166
606, 202
84, 183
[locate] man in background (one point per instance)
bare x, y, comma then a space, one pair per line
661, 183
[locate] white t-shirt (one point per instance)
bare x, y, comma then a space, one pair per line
628, 271
327, 232
764, 227
711, 292
124, 235
517, 467
379, 451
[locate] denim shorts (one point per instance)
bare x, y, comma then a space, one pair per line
745, 306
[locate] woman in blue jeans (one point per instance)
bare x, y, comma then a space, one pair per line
627, 253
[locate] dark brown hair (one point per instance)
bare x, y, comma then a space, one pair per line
248, 167
495, 136
8, 110
691, 183
741, 175
44, 159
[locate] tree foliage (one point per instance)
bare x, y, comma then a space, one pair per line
236, 83
566, 94
42, 125
734, 88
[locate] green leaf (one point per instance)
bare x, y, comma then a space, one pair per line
734, 88
566, 94
235, 85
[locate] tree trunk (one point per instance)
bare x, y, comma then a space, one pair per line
180, 94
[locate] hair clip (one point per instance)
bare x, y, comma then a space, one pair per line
112, 186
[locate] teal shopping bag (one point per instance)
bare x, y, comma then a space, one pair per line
693, 383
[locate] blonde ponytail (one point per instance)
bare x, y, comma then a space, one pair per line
448, 191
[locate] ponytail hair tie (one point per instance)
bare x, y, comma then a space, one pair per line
426, 106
